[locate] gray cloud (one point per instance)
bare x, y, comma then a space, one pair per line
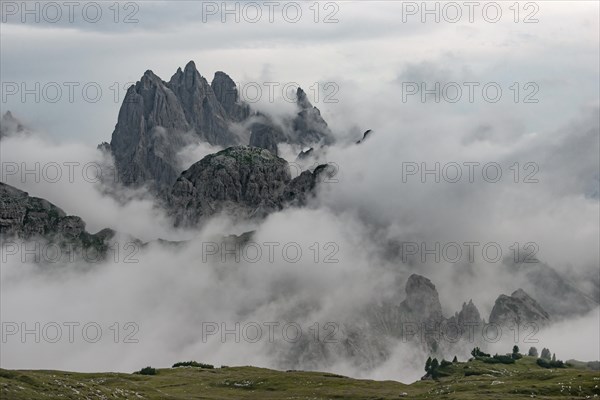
368, 54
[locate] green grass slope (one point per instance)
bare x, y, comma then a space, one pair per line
469, 380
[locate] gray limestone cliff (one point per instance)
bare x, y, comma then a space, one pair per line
9, 125
158, 119
243, 182
23, 217
518, 309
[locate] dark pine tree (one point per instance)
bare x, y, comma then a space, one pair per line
546, 354
533, 352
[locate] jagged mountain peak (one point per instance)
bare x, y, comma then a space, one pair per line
150, 76
517, 309
157, 118
302, 99
10, 125
224, 87
469, 313
416, 283
226, 93
189, 78
520, 294
222, 75
191, 67
422, 301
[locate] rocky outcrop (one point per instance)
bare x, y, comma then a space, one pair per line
302, 188
467, 323
469, 314
242, 182
227, 94
422, 303
104, 147
157, 119
309, 126
304, 154
9, 125
148, 134
265, 134
365, 136
517, 310
420, 307
203, 111
28, 218
555, 291
239, 181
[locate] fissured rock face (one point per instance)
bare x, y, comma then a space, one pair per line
148, 134
518, 309
157, 119
422, 301
9, 125
227, 94
154, 121
242, 181
26, 217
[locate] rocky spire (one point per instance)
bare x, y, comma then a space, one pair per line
518, 309
203, 111
422, 303
264, 133
157, 119
9, 125
308, 125
302, 100
148, 134
227, 94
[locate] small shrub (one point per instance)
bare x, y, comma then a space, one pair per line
192, 364
476, 352
544, 363
497, 359
505, 359
148, 371
445, 363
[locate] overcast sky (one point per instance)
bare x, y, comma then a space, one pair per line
368, 50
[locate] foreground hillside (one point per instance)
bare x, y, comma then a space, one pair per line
469, 380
